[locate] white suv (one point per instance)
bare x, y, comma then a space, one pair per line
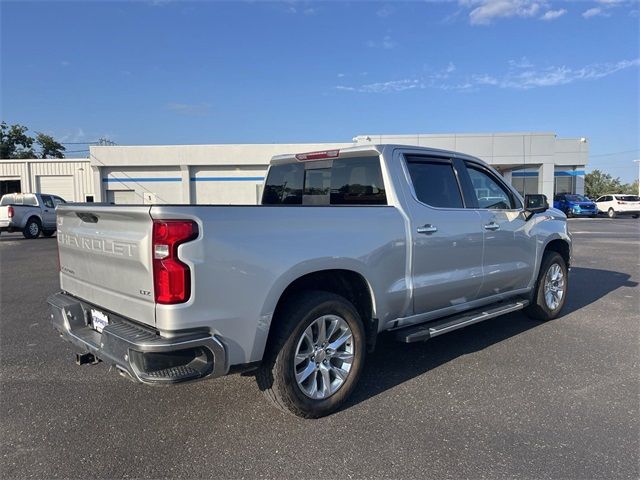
619, 204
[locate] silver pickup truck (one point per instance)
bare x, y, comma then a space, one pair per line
346, 244
29, 213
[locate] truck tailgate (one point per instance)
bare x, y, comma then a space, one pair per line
105, 258
4, 213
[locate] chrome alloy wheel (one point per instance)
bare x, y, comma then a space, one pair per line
554, 286
324, 357
33, 228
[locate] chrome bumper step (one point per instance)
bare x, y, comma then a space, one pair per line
425, 331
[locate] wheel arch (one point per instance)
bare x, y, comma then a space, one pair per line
560, 246
37, 218
348, 283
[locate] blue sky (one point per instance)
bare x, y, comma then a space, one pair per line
171, 72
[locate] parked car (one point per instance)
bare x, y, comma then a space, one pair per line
616, 204
29, 213
346, 244
574, 205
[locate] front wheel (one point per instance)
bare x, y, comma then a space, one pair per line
611, 213
551, 288
635, 216
315, 355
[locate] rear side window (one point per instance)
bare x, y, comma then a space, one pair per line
435, 182
343, 181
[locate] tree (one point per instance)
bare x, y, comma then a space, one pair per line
14, 142
598, 183
49, 148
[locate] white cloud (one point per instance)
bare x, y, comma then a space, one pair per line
450, 68
522, 63
520, 75
386, 43
553, 14
383, 87
189, 109
594, 12
487, 11
385, 11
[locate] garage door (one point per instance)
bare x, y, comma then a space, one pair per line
61, 185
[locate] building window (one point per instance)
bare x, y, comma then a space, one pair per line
565, 184
526, 183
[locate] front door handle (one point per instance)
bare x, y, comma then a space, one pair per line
427, 229
492, 226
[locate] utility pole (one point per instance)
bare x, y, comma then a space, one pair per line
638, 162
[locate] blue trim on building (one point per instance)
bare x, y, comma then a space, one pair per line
178, 179
570, 173
562, 173
141, 179
227, 179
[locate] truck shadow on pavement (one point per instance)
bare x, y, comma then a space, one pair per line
394, 363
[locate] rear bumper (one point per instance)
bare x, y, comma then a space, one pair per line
139, 352
7, 226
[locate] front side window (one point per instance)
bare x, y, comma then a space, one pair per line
57, 200
434, 182
488, 191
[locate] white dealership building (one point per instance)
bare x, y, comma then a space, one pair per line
534, 162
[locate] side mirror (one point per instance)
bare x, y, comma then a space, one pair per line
536, 203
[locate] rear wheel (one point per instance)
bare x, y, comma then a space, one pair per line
611, 213
32, 229
551, 288
315, 357
635, 216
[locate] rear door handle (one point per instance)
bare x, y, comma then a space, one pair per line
427, 229
492, 226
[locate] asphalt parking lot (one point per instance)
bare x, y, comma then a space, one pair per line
506, 398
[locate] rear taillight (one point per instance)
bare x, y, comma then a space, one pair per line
10, 211
171, 277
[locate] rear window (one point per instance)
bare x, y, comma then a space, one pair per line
434, 182
19, 199
628, 198
343, 181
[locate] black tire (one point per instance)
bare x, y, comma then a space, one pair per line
538, 308
635, 216
611, 213
568, 213
32, 229
276, 378
48, 233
